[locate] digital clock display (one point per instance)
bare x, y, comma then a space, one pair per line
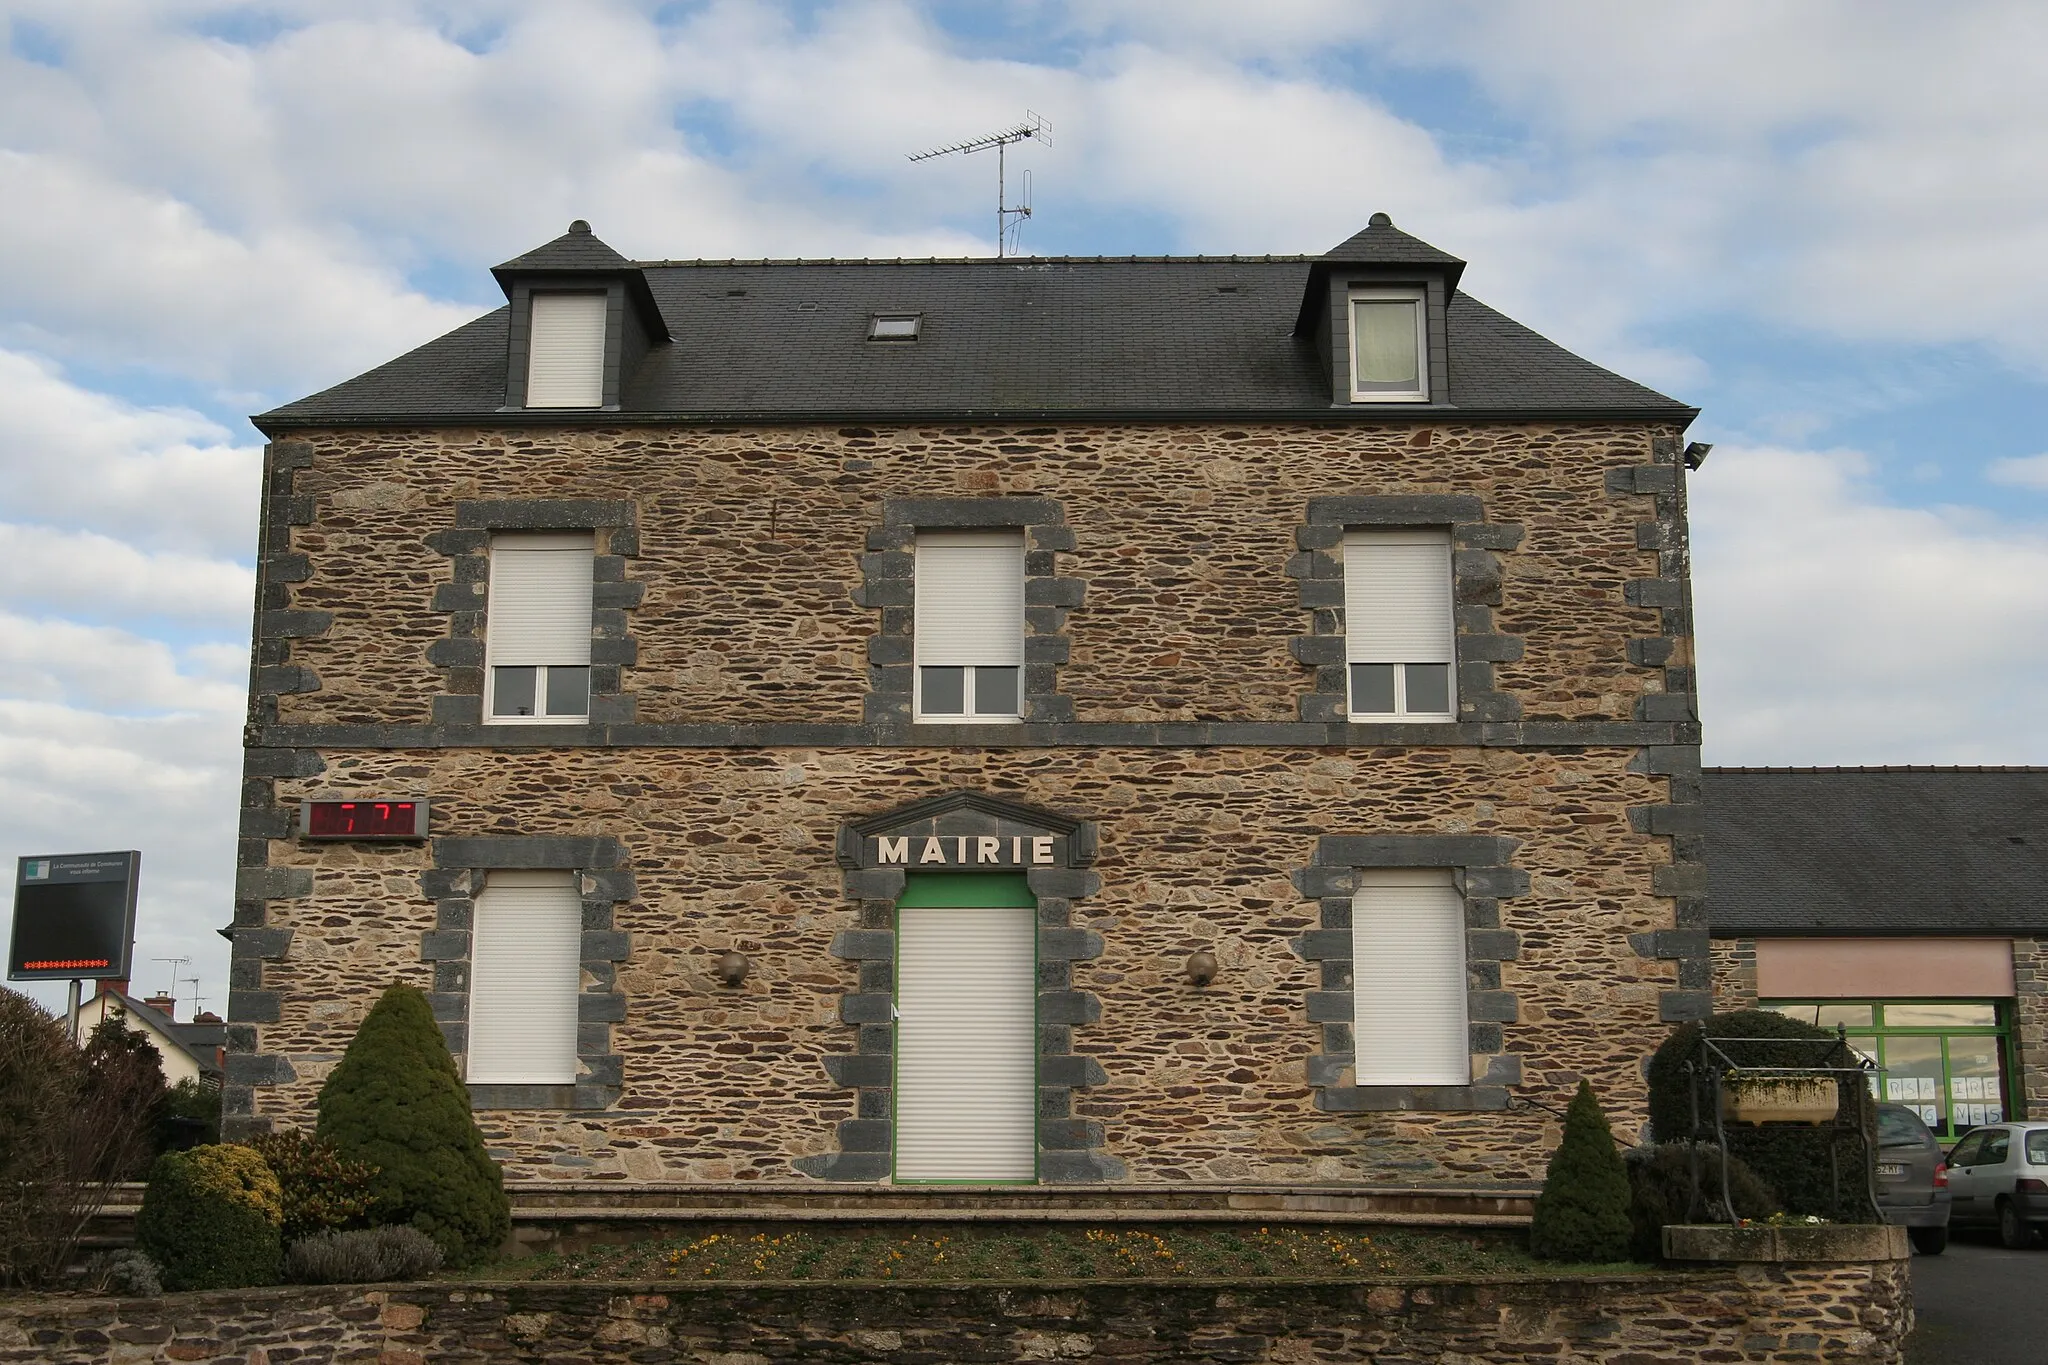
363, 819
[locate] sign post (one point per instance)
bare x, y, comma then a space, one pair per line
74, 917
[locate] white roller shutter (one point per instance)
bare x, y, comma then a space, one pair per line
966, 1044
970, 598
1397, 597
565, 351
1408, 980
525, 969
540, 600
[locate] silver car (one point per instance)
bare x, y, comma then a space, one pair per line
1998, 1177
1912, 1183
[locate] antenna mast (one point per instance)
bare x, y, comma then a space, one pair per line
1008, 218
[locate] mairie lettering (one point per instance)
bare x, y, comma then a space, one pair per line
965, 850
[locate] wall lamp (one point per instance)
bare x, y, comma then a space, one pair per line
1201, 968
732, 968
1696, 454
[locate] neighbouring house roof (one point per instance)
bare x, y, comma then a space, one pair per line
1817, 851
1138, 337
169, 1034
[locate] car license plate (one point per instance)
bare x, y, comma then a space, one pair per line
1891, 1170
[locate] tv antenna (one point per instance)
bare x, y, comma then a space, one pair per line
1009, 218
174, 963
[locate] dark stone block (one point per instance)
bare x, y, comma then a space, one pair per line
1069, 1135
864, 943
1323, 945
1413, 850
849, 1167
541, 852
1334, 1007
1492, 1007
1493, 945
855, 1070
600, 1008
282, 763
940, 514
1068, 945
263, 1068
547, 514
866, 1009
1678, 1007
1421, 509
1068, 1007
1068, 1069
1079, 1168
443, 945
865, 1135
607, 946
1379, 1099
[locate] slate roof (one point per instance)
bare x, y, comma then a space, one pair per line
1817, 851
1009, 338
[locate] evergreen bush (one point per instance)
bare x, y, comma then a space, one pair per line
1661, 1180
363, 1256
125, 1273
323, 1191
1800, 1163
210, 1219
396, 1103
1583, 1212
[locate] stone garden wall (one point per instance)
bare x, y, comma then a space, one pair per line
1844, 1314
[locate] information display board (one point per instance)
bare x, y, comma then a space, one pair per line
74, 916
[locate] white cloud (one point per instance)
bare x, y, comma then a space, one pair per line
161, 477
1837, 627
2024, 471
107, 669
84, 574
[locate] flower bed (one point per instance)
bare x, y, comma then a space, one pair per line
984, 1253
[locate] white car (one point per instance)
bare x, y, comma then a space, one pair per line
1998, 1177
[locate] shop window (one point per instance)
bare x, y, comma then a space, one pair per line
1945, 1060
968, 626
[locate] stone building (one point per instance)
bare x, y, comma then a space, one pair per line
1156, 721
1903, 904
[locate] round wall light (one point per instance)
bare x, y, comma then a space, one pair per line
732, 968
1201, 968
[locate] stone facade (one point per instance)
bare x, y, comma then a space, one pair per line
1849, 1314
749, 709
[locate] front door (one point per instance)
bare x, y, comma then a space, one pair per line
966, 1028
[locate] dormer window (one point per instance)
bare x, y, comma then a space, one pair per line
565, 351
1389, 346
893, 327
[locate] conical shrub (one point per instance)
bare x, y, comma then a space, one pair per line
1583, 1212
396, 1103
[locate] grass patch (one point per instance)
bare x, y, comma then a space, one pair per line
997, 1252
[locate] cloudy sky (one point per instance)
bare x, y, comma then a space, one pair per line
1824, 224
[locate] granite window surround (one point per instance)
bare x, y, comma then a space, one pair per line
1482, 868
460, 869
1475, 587
460, 654
888, 586
1069, 1148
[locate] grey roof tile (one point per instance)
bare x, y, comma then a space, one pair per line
576, 249
1876, 851
1381, 243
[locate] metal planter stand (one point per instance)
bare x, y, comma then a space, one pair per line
1712, 1068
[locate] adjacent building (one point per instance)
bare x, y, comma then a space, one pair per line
1904, 905
1134, 721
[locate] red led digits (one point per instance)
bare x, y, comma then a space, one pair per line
364, 820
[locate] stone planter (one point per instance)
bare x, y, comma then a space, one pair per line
1779, 1099
1819, 1242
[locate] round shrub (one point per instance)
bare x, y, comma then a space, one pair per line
210, 1217
396, 1103
1798, 1162
1661, 1179
323, 1191
1582, 1214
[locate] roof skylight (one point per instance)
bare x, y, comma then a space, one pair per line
894, 326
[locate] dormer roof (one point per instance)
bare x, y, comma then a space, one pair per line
579, 252
1378, 248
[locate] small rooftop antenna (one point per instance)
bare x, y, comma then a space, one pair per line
1008, 218
198, 1000
173, 963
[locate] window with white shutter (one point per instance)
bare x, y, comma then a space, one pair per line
1398, 637
537, 629
565, 351
1408, 979
966, 1090
525, 969
968, 625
